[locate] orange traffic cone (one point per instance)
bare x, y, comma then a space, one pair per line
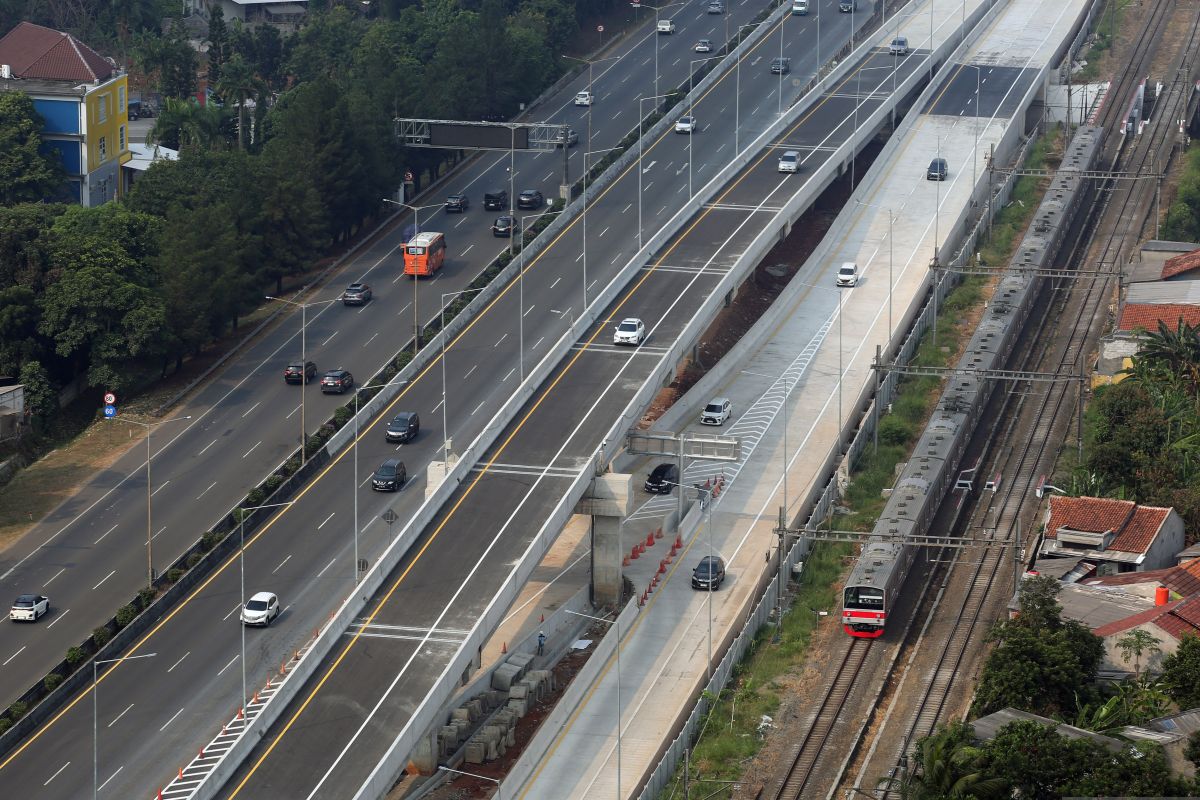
658, 533
503, 648
678, 541
634, 554
650, 539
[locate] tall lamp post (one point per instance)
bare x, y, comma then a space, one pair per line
617, 625
737, 93
656, 38
857, 104
149, 426
416, 223
445, 400
358, 389
303, 363
691, 146
521, 286
243, 513
891, 243
641, 150
96, 716
707, 505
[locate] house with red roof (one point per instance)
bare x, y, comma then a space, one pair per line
1185, 266
1115, 536
82, 98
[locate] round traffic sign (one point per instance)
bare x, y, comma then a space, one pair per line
110, 411
408, 176
600, 29
109, 398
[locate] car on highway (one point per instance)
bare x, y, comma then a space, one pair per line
28, 607
404, 427
299, 372
781, 66
531, 198
848, 274
709, 573
584, 98
789, 161
799, 7
505, 227
665, 26
457, 204
337, 381
570, 137
630, 331
686, 124
260, 609
716, 412
703, 46
495, 200
663, 479
716, 8
846, 6
938, 171
356, 294
390, 476
899, 46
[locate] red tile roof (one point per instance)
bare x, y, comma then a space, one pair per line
1177, 265
1183, 580
1181, 619
1148, 315
36, 52
1135, 526
1132, 621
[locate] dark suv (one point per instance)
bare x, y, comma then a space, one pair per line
298, 372
337, 381
531, 198
356, 294
505, 226
457, 202
781, 66
663, 479
937, 170
390, 476
709, 573
404, 427
495, 200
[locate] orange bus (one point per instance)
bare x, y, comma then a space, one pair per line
424, 254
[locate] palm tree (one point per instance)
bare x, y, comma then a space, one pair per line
1175, 352
238, 82
1136, 643
948, 768
187, 124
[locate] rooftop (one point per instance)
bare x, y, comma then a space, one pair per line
1097, 606
986, 728
1135, 526
1178, 265
35, 52
1183, 579
1146, 316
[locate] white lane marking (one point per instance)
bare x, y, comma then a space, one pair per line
110, 777
210, 444
439, 405
592, 285
251, 450
616, 258
327, 341
626, 209
472, 369
160, 530
281, 563
371, 339
539, 341
14, 655
509, 375
603, 231
675, 63
322, 525
256, 405
647, 61
327, 566
648, 167
397, 278
56, 619
664, 208
646, 188
172, 719
460, 222
180, 661
160, 486
98, 541
478, 407
64, 569
498, 341
117, 718
549, 175
232, 611
289, 416
211, 485
55, 775
102, 580
368, 478
227, 666
579, 258
526, 314
556, 280
464, 252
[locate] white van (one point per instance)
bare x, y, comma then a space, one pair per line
666, 26
800, 7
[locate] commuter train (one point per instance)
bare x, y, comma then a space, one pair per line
877, 579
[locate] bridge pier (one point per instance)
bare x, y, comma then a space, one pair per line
608, 503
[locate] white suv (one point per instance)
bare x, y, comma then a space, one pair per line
848, 274
584, 99
666, 26
28, 607
260, 609
686, 125
716, 412
630, 331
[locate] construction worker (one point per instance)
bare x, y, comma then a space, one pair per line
541, 642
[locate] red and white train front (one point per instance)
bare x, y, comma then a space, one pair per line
864, 611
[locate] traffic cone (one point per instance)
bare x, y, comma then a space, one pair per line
241, 712
625, 561
503, 648
708, 483
201, 751
662, 567
635, 553
181, 773
542, 618
650, 539
678, 541
255, 700
658, 533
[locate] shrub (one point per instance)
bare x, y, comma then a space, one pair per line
255, 497
174, 574
17, 710
272, 483
342, 415
52, 681
193, 560
894, 431
146, 595
125, 615
5, 724
290, 466
101, 636
74, 656
213, 538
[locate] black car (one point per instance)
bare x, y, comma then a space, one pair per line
781, 66
356, 294
404, 427
530, 198
663, 479
298, 372
709, 573
496, 200
937, 170
337, 381
457, 202
504, 227
390, 476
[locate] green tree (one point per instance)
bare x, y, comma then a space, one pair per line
1139, 770
187, 125
292, 230
1137, 643
239, 84
26, 175
219, 45
947, 767
1181, 673
41, 398
1192, 750
169, 59
1034, 760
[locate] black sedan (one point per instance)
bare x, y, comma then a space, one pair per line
531, 198
457, 203
505, 227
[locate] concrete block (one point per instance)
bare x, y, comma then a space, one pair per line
505, 676
519, 706
475, 752
521, 660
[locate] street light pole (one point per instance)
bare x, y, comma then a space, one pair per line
617, 624
691, 113
96, 716
242, 514
521, 286
303, 361
737, 94
641, 149
417, 224
354, 582
445, 401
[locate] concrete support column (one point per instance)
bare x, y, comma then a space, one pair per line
608, 503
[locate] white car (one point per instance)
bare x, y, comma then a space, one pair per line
28, 607
789, 161
848, 274
703, 46
666, 26
630, 331
716, 412
686, 125
584, 99
260, 609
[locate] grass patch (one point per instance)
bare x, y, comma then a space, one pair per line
1108, 22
